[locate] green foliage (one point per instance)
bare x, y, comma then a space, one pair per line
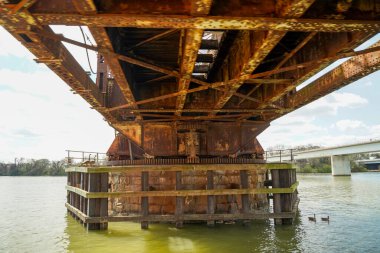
316, 165
41, 167
357, 167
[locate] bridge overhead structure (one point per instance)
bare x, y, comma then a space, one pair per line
340, 163
214, 70
195, 81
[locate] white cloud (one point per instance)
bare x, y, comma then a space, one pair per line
303, 126
40, 117
347, 124
330, 104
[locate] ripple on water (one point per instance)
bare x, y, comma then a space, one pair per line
34, 220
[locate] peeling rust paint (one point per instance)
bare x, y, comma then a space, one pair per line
210, 22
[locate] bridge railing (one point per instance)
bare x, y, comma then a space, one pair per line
280, 155
75, 157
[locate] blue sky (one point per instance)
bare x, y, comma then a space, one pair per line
41, 118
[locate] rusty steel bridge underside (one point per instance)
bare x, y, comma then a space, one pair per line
199, 78
189, 85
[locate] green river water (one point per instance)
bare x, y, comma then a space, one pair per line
33, 219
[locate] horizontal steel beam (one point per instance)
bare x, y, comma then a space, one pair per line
208, 22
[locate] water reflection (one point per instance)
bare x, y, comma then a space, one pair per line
260, 236
33, 219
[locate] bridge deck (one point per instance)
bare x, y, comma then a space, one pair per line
349, 149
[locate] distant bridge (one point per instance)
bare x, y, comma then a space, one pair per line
371, 164
340, 164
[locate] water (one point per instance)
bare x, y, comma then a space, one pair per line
33, 219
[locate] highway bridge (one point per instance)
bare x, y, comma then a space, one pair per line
371, 164
340, 163
189, 85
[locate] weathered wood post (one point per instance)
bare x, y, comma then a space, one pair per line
103, 201
144, 200
210, 198
69, 193
179, 200
77, 196
244, 197
283, 202
287, 199
276, 197
97, 207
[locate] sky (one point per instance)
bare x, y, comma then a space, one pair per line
41, 117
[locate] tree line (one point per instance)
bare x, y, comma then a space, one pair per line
40, 167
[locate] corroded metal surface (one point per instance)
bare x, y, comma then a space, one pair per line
198, 79
210, 22
348, 72
263, 43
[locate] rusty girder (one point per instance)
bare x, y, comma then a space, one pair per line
192, 42
55, 56
261, 44
263, 51
88, 7
209, 22
348, 72
302, 75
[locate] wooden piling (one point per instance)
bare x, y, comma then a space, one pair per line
283, 202
103, 201
276, 197
97, 207
144, 200
244, 197
210, 198
179, 200
287, 200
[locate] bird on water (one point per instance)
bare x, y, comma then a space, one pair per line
325, 218
312, 218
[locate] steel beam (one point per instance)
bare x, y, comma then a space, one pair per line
346, 73
262, 44
55, 56
192, 43
283, 61
102, 40
208, 22
343, 42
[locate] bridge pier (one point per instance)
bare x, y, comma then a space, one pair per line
176, 192
340, 165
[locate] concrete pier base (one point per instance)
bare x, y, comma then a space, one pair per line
340, 165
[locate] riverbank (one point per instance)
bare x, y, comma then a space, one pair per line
41, 167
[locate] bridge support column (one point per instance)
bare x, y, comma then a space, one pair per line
340, 165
